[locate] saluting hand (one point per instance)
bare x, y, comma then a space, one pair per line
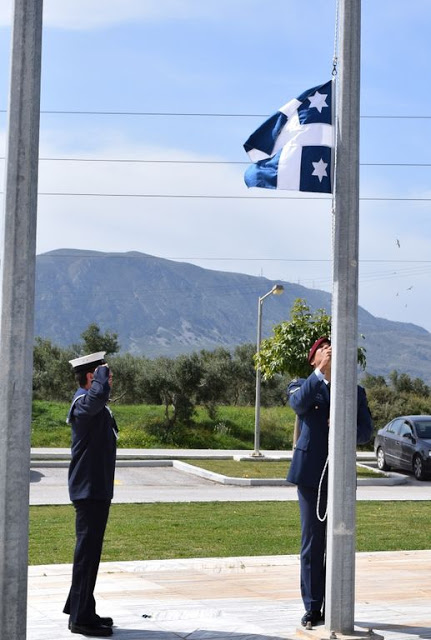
325, 362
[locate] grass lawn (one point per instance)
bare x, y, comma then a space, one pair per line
218, 529
257, 468
141, 426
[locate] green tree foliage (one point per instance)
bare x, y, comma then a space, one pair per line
53, 377
286, 351
402, 382
94, 340
215, 378
401, 395
187, 375
217, 374
242, 389
132, 380
209, 379
370, 382
175, 384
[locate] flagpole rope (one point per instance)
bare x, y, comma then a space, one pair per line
335, 56
335, 111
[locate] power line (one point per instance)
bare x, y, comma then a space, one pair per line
397, 117
203, 115
140, 256
143, 161
214, 197
220, 197
225, 289
211, 162
180, 196
417, 269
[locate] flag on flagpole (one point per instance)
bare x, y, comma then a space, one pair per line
293, 149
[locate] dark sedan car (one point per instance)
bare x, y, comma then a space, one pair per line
405, 443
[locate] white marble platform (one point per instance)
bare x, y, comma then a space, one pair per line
250, 598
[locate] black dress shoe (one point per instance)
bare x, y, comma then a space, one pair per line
105, 622
313, 617
94, 630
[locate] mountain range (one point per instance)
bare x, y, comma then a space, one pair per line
164, 307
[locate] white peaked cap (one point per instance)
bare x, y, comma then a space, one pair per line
85, 362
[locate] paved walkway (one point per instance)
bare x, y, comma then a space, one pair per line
161, 476
167, 484
233, 598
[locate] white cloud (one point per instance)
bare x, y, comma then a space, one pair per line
93, 14
173, 227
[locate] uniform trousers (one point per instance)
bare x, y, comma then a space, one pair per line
90, 525
313, 548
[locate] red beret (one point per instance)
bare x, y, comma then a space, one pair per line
316, 345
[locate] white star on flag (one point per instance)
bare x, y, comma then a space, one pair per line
320, 169
318, 101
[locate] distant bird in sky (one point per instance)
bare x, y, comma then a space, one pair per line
409, 288
398, 243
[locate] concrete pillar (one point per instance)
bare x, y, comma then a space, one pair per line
17, 314
340, 576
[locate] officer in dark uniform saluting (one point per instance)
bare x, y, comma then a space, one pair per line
309, 398
91, 483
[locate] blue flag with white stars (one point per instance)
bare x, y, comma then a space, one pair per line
293, 149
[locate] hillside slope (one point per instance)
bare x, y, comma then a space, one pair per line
163, 307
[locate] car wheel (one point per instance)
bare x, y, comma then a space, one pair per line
418, 468
381, 462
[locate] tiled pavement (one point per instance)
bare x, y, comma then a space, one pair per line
253, 598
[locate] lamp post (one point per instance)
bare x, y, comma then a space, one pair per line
277, 289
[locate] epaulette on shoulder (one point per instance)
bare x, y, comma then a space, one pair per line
294, 386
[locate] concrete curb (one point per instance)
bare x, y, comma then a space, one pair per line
389, 479
217, 477
61, 459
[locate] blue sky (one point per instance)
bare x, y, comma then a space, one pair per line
237, 57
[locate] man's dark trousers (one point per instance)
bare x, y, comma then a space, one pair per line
313, 547
91, 519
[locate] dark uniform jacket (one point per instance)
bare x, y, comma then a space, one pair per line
309, 398
94, 442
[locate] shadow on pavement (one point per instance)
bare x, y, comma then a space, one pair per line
36, 476
199, 634
420, 632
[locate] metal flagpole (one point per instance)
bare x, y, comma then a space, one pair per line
17, 313
340, 567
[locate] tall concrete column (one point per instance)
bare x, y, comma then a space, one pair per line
340, 577
17, 314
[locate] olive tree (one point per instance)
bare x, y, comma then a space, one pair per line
94, 340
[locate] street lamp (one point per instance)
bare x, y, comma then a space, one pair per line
276, 290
